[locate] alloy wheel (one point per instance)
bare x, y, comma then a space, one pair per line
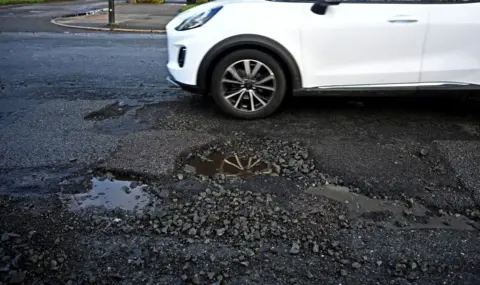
248, 85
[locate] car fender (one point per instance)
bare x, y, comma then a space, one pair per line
249, 41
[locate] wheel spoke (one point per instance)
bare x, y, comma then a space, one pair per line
233, 71
239, 84
246, 64
256, 69
239, 92
231, 81
239, 99
270, 77
265, 87
252, 93
252, 104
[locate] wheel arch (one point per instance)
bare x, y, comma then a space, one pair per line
249, 41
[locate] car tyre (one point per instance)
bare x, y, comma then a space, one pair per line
269, 67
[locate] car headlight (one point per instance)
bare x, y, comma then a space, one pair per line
198, 19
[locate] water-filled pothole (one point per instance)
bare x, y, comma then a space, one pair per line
111, 193
229, 165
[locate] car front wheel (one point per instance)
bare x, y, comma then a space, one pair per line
248, 84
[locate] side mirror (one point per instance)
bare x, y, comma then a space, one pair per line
320, 7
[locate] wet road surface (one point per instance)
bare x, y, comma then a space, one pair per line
75, 66
370, 191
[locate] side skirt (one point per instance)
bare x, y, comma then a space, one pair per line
383, 89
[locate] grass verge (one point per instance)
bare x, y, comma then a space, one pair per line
185, 8
9, 2
147, 1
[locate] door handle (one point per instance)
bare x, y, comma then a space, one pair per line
402, 19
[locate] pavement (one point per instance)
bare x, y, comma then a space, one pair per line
128, 17
50, 17
109, 175
37, 17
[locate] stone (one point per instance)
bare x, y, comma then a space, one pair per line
190, 169
221, 232
210, 275
196, 279
164, 193
295, 249
356, 265
53, 263
400, 267
249, 252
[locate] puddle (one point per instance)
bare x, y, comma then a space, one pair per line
229, 165
111, 194
108, 112
391, 213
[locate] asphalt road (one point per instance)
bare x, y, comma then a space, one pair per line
86, 61
73, 103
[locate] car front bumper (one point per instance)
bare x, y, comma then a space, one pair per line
186, 50
189, 88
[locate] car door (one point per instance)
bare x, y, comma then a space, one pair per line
363, 43
452, 49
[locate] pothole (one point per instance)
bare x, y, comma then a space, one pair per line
229, 165
111, 111
390, 213
111, 193
242, 157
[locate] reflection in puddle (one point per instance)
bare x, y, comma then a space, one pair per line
111, 194
230, 165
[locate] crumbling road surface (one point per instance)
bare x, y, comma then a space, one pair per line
110, 176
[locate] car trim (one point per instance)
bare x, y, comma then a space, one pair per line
397, 86
249, 40
186, 87
431, 2
172, 81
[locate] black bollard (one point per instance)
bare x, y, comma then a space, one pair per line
111, 12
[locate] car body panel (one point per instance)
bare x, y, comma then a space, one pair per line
200, 40
354, 45
452, 49
359, 43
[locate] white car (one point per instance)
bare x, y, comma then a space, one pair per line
250, 54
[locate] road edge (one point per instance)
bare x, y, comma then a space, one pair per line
104, 29
107, 29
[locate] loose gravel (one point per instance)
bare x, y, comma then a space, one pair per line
245, 227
